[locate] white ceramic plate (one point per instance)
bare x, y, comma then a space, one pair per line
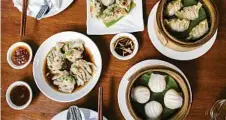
124, 83
172, 53
40, 58
54, 11
89, 115
132, 22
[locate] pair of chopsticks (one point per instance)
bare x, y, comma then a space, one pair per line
100, 103
23, 17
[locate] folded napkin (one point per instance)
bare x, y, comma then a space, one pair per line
34, 6
133, 22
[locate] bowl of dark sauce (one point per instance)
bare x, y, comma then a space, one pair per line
19, 95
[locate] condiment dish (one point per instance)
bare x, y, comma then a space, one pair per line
8, 98
11, 50
115, 38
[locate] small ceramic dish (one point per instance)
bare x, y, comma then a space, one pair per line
8, 98
113, 42
11, 50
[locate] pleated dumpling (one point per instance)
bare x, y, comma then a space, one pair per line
172, 99
199, 30
141, 94
173, 7
153, 109
95, 8
107, 2
177, 24
157, 83
113, 12
124, 4
189, 13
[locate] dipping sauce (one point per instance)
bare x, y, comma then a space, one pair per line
124, 46
20, 55
20, 95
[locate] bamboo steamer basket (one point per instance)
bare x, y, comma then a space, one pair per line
185, 88
171, 42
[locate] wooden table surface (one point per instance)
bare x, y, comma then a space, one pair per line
206, 74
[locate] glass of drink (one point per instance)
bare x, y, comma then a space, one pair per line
218, 110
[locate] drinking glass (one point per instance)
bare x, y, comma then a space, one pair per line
218, 110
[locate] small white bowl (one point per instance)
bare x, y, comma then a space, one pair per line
10, 103
11, 49
132, 37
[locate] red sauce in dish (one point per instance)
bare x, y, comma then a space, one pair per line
20, 55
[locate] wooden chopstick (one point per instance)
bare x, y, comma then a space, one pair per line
100, 103
23, 18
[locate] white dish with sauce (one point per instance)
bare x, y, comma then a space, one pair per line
8, 93
39, 61
131, 37
12, 49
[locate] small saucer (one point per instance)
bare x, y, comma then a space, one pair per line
18, 83
132, 37
10, 51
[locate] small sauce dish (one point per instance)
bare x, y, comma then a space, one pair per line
124, 46
19, 55
19, 95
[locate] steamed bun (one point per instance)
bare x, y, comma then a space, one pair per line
141, 94
153, 109
157, 83
172, 99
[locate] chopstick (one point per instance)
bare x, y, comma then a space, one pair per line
100, 103
23, 17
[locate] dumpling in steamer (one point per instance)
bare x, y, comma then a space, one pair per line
189, 13
199, 30
157, 83
153, 109
140, 94
173, 7
172, 99
177, 24
124, 4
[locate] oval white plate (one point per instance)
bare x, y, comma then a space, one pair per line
54, 11
172, 53
124, 83
39, 61
89, 115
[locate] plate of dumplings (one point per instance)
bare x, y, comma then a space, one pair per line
185, 25
154, 89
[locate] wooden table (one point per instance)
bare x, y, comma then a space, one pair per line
206, 74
